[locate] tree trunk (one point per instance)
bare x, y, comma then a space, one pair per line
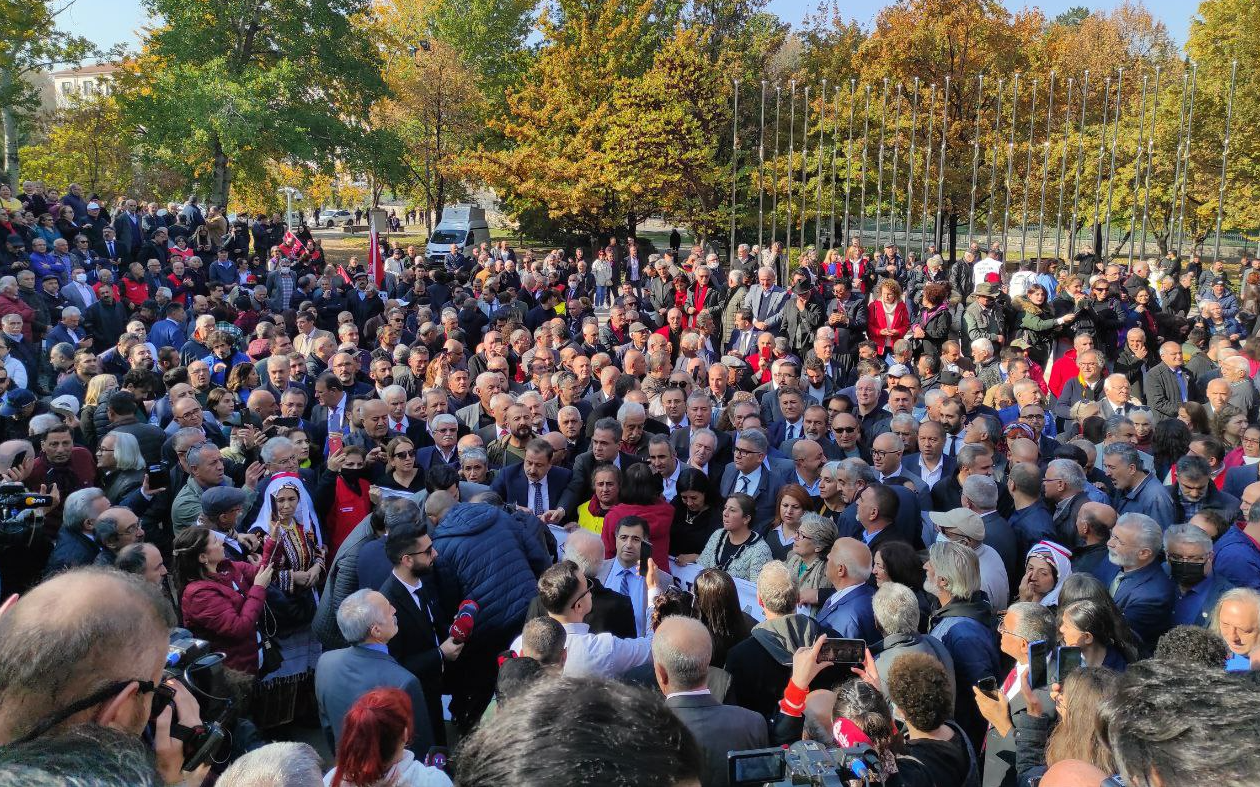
221, 178
1128, 235
12, 166
632, 222
953, 237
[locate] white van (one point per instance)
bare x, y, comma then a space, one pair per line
462, 225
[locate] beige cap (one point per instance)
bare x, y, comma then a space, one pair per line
962, 520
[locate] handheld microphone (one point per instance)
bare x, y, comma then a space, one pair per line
462, 625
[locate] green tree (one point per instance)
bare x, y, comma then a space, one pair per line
30, 42
226, 86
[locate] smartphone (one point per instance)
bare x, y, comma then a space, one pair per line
156, 476
1038, 654
645, 554
842, 651
285, 423
988, 685
1066, 661
334, 442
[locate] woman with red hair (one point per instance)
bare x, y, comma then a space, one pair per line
373, 748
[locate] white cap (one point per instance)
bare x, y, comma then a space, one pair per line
66, 403
93, 206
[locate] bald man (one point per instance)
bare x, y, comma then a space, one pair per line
1072, 773
1217, 393
681, 651
848, 613
92, 637
1094, 522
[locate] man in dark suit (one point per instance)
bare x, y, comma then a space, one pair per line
681, 651
610, 611
750, 475
1167, 385
368, 622
1143, 592
605, 439
533, 483
418, 646
743, 340
1199, 588
848, 612
127, 229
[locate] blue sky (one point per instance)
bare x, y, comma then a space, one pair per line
108, 22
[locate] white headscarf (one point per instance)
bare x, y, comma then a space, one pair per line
1061, 557
304, 516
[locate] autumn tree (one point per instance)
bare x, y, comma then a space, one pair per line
228, 86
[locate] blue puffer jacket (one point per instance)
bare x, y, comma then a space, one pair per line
484, 554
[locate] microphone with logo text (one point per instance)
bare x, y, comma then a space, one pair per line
462, 625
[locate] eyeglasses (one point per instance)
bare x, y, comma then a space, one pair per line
845, 429
404, 454
578, 600
746, 452
428, 551
879, 452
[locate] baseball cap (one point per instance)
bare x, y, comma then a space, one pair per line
638, 326
93, 206
218, 500
898, 370
950, 378
963, 520
65, 403
14, 401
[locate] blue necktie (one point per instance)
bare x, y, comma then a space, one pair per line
538, 501
625, 582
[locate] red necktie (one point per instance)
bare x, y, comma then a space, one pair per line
1009, 682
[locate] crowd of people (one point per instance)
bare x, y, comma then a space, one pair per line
474, 530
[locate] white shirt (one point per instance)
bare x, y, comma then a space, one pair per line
793, 431
984, 267
540, 489
931, 476
670, 482
400, 426
17, 372
599, 655
754, 481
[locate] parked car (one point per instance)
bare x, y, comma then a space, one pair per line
335, 218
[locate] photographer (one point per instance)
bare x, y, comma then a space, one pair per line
89, 647
25, 540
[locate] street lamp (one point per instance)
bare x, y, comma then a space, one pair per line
290, 194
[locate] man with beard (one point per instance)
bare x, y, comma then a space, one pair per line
510, 449
63, 463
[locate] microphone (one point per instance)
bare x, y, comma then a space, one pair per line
462, 625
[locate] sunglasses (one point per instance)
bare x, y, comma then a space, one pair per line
845, 429
404, 454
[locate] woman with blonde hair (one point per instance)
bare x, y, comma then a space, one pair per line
98, 390
888, 319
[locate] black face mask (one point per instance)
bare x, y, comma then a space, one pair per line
354, 473
1186, 573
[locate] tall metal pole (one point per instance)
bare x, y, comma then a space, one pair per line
1045, 164
927, 171
892, 185
1220, 199
848, 163
774, 183
1010, 159
879, 182
822, 126
1185, 170
914, 119
1102, 151
761, 173
1150, 156
835, 144
1067, 130
1032, 130
993, 168
804, 161
866, 128
1171, 230
1080, 162
734, 161
1137, 170
791, 173
1111, 170
940, 170
975, 161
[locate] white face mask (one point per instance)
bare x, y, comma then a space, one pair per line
81, 278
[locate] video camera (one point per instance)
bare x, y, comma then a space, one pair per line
14, 502
804, 763
191, 662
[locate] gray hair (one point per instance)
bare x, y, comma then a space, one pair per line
628, 409
196, 454
1187, 534
286, 764
896, 609
777, 588
40, 424
573, 550
969, 453
612, 424
1149, 534
78, 507
1116, 421
819, 529
688, 667
444, 419
704, 432
71, 311
982, 491
268, 452
474, 453
932, 397
1070, 473
127, 455
904, 419
756, 437
1036, 622
356, 616
958, 566
1126, 452
879, 383
855, 469
393, 389
982, 344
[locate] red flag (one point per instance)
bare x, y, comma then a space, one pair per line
291, 246
376, 263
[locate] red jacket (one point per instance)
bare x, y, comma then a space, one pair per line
225, 611
11, 305
877, 320
659, 516
134, 292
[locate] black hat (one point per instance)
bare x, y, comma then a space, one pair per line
950, 378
